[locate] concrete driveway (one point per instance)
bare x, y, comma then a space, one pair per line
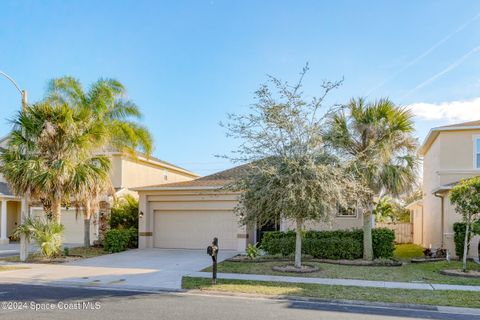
152, 269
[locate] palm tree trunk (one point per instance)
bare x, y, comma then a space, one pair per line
465, 247
298, 244
86, 224
56, 210
367, 235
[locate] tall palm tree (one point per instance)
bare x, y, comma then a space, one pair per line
49, 146
376, 139
106, 103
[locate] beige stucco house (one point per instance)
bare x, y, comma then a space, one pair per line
126, 174
190, 214
450, 154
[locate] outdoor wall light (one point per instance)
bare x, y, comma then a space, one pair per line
140, 214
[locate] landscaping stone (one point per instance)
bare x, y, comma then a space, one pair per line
291, 268
359, 262
422, 260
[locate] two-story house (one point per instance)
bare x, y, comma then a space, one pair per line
450, 153
126, 173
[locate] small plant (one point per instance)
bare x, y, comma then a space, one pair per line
47, 235
66, 252
252, 251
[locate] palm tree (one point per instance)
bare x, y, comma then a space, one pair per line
376, 139
49, 146
106, 103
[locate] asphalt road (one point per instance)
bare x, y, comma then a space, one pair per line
109, 304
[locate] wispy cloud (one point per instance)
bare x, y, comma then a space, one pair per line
423, 55
452, 111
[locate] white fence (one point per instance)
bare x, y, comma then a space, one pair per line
403, 231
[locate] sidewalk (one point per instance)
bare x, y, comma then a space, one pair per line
339, 282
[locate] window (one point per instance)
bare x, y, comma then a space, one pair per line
477, 153
349, 212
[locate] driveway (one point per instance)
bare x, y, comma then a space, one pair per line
152, 269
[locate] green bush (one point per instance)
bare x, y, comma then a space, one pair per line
336, 244
383, 241
116, 240
459, 229
124, 213
133, 241
333, 248
252, 251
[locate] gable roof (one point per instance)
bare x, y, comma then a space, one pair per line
434, 132
213, 181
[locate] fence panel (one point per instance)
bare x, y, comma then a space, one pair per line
403, 231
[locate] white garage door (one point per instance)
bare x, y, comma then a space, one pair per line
195, 229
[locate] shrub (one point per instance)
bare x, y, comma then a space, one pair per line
116, 240
333, 248
336, 244
252, 251
383, 240
124, 213
47, 235
459, 229
133, 241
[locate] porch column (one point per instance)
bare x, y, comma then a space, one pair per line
3, 223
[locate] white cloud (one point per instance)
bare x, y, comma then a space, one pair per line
452, 111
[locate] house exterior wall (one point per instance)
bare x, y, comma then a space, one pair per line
450, 158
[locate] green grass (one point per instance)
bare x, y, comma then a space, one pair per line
8, 268
411, 272
408, 251
444, 298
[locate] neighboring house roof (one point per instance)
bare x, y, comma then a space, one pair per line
445, 187
414, 203
5, 189
213, 181
434, 132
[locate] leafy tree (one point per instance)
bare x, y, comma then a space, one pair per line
290, 175
391, 210
376, 140
466, 198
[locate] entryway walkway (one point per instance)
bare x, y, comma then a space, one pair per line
339, 282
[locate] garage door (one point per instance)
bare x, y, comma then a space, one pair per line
195, 229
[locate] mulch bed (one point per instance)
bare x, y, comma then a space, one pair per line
460, 273
291, 268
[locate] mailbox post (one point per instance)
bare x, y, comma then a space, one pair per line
213, 252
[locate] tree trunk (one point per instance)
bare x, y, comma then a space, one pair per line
86, 225
367, 235
56, 210
86, 233
465, 247
298, 245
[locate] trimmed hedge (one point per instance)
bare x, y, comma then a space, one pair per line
459, 229
116, 240
337, 244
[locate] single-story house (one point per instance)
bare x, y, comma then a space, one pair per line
190, 214
450, 153
126, 173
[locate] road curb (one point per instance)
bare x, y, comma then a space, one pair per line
360, 303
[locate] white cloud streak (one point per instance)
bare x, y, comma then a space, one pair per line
452, 111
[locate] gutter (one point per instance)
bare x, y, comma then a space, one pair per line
438, 195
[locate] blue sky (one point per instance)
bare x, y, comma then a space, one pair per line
188, 63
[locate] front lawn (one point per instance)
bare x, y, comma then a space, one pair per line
73, 254
408, 251
411, 272
445, 298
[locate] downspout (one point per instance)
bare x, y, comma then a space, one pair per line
438, 195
